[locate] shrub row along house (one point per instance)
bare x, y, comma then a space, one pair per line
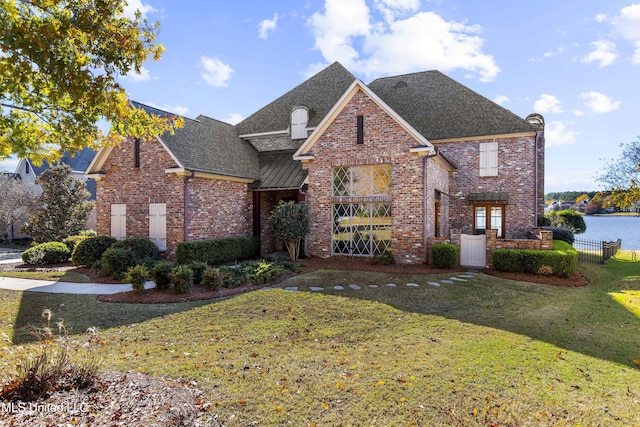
382, 167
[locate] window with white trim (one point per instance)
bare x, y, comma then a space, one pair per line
119, 221
158, 224
488, 217
489, 159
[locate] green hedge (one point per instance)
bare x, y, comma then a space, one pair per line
444, 255
561, 261
89, 251
46, 253
219, 251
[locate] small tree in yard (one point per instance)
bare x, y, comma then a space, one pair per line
65, 206
16, 202
289, 222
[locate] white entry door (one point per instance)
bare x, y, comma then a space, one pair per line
473, 250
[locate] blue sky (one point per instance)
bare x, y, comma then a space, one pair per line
575, 62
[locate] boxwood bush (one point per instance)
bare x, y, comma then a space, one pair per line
46, 253
561, 261
218, 251
444, 255
563, 234
182, 279
89, 251
161, 274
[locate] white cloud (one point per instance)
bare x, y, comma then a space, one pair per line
175, 109
268, 25
233, 118
578, 113
501, 99
556, 133
598, 102
601, 17
547, 104
401, 42
216, 73
143, 76
604, 53
132, 5
627, 25
561, 49
9, 164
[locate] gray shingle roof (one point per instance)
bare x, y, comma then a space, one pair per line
279, 170
79, 162
211, 146
439, 107
319, 93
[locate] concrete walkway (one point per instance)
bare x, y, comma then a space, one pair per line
50, 286
8, 256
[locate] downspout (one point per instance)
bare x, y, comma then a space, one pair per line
424, 202
186, 205
536, 187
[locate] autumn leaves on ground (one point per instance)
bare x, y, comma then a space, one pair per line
486, 352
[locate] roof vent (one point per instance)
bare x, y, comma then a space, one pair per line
400, 85
536, 120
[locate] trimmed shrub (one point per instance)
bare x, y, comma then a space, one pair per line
563, 234
137, 276
46, 253
72, 241
260, 272
219, 251
385, 258
561, 261
444, 255
182, 279
161, 274
568, 218
141, 248
116, 261
212, 278
89, 251
198, 268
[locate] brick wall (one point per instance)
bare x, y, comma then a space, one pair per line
384, 142
137, 187
516, 176
217, 208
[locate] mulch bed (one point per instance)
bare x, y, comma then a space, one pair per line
155, 296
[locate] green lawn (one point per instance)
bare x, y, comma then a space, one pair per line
477, 353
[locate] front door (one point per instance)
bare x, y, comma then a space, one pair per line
473, 250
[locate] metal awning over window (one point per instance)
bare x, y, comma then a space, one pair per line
499, 197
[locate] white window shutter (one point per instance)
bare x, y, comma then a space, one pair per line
119, 221
489, 159
299, 119
158, 225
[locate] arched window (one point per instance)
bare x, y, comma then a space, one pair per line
299, 119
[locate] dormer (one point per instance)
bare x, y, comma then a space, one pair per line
299, 120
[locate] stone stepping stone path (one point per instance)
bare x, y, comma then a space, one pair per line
450, 281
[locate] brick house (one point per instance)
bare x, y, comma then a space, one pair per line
383, 166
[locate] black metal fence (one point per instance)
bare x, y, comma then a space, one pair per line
595, 250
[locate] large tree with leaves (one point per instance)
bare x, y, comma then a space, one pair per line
60, 61
64, 207
622, 176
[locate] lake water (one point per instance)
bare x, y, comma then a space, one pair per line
610, 228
